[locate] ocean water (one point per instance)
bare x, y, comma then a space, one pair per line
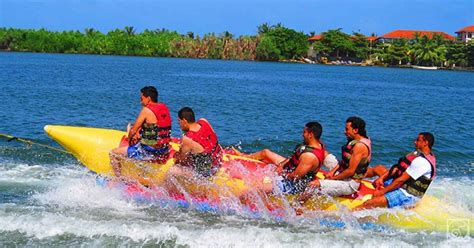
49, 199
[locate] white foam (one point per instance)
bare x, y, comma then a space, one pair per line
36, 174
46, 225
223, 234
85, 193
74, 205
458, 192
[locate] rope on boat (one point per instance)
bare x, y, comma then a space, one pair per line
11, 138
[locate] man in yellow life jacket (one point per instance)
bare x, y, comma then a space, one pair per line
150, 136
405, 182
356, 154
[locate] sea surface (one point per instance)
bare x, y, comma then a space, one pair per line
49, 199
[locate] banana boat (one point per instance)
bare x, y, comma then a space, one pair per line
240, 175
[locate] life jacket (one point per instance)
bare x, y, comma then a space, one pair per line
206, 137
419, 186
294, 161
346, 151
157, 135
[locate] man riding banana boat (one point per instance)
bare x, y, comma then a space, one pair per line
228, 175
407, 181
200, 150
149, 138
296, 172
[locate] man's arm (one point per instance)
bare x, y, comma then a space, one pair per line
137, 125
281, 166
380, 181
184, 149
397, 183
307, 162
332, 172
357, 154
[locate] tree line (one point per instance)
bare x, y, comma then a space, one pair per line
271, 43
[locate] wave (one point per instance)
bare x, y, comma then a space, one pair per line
71, 208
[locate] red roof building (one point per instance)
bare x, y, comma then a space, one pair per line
466, 34
411, 34
372, 38
315, 38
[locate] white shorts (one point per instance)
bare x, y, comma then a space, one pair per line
338, 187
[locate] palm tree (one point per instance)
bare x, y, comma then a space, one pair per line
428, 51
264, 28
190, 35
130, 30
89, 31
227, 35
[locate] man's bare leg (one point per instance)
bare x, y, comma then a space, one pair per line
266, 155
376, 202
120, 151
378, 170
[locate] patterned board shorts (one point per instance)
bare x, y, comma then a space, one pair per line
396, 198
285, 186
144, 152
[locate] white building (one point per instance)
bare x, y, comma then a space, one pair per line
466, 34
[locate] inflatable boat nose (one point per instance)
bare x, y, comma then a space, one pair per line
91, 146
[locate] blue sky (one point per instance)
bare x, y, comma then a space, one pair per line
239, 16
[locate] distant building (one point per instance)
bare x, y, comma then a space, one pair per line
466, 34
314, 38
372, 38
411, 34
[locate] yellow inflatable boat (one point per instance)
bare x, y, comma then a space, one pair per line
91, 146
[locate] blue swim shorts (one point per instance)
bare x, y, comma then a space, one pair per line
286, 186
144, 152
397, 198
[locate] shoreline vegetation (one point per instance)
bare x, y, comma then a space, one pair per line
271, 43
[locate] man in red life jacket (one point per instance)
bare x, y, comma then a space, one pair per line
200, 149
407, 181
356, 154
150, 135
298, 170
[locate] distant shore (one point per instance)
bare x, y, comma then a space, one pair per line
336, 63
298, 61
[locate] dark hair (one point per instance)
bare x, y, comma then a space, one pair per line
357, 122
315, 128
187, 113
150, 91
428, 137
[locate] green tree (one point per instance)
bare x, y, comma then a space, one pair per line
456, 53
338, 42
130, 30
267, 50
398, 52
360, 45
264, 28
428, 51
290, 43
470, 53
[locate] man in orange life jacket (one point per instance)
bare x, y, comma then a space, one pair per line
150, 135
297, 171
356, 155
407, 181
200, 149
